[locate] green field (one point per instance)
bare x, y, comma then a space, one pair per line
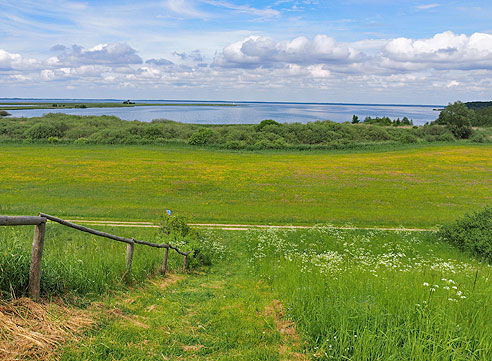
321, 293
414, 186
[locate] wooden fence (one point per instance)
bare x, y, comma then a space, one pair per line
39, 223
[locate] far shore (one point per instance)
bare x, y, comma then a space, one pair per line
63, 105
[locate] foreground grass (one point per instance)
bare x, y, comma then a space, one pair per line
224, 314
270, 295
379, 295
417, 186
76, 263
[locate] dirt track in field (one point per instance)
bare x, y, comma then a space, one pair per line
234, 227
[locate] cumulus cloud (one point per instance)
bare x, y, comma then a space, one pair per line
9, 61
159, 62
446, 61
106, 54
443, 51
194, 55
257, 51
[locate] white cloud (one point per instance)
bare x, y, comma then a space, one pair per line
268, 12
107, 54
186, 9
258, 51
448, 62
443, 51
427, 6
9, 61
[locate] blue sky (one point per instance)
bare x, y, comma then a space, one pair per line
377, 51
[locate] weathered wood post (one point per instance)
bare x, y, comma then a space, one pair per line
129, 257
36, 258
164, 263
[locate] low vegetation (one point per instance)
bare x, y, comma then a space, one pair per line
472, 233
76, 264
62, 128
358, 295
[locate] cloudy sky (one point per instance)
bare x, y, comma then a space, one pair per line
362, 51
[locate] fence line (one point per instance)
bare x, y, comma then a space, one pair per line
39, 223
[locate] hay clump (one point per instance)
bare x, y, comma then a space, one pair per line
30, 330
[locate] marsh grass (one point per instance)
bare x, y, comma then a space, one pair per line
76, 263
378, 295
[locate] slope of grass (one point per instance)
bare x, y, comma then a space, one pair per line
76, 263
379, 295
415, 186
223, 314
317, 294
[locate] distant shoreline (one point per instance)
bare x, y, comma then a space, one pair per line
149, 102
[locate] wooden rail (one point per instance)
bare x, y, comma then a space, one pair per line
39, 223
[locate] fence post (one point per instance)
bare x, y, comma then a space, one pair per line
36, 258
129, 258
164, 263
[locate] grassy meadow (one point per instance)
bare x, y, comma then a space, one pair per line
76, 263
317, 294
414, 186
320, 293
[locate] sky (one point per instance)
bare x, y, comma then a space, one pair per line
354, 51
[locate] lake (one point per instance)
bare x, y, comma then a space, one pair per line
242, 113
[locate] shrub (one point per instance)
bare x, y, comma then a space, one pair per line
53, 140
43, 131
81, 141
408, 138
479, 137
266, 122
472, 233
178, 233
4, 113
201, 137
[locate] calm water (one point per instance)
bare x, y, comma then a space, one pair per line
243, 113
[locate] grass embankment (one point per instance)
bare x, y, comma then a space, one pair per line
354, 295
416, 186
76, 263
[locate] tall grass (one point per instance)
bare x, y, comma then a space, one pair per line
378, 295
76, 263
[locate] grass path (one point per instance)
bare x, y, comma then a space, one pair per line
234, 227
224, 314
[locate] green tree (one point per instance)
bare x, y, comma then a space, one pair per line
355, 119
458, 118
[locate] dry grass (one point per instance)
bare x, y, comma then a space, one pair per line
290, 338
34, 331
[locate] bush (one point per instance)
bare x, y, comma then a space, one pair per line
408, 138
81, 141
479, 137
472, 233
179, 234
201, 137
266, 122
4, 113
43, 131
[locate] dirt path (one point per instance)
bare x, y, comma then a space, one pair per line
237, 227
